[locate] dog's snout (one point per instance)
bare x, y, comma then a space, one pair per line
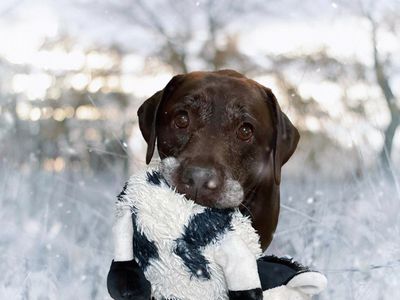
200, 178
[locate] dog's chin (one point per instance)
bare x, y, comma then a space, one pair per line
230, 196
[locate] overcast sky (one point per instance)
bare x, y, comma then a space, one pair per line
285, 26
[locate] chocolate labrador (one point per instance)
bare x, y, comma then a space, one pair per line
229, 139
226, 140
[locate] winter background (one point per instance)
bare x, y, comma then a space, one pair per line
73, 73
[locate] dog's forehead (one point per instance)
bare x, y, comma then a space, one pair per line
220, 83
213, 86
230, 95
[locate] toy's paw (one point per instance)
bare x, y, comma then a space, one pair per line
254, 294
309, 283
302, 286
126, 280
285, 293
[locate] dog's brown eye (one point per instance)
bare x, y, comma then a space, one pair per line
245, 132
181, 120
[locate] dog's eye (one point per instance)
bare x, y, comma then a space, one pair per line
181, 119
245, 132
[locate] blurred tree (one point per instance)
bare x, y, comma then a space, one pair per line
9, 121
313, 119
383, 18
186, 33
82, 120
346, 74
381, 66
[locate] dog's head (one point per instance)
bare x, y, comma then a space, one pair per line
219, 135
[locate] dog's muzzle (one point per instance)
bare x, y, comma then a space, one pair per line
204, 184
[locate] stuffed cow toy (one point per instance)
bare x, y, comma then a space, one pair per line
173, 248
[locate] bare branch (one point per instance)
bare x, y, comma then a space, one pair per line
381, 77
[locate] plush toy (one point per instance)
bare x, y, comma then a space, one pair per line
173, 248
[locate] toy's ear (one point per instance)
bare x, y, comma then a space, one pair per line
148, 113
286, 136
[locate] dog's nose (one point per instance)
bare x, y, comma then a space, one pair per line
200, 178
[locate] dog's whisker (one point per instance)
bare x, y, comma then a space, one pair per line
247, 209
161, 153
252, 189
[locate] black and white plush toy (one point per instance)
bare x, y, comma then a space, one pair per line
188, 251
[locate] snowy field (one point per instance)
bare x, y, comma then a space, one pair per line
55, 241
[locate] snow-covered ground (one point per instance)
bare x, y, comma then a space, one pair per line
55, 238
349, 230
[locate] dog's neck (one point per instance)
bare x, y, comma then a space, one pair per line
262, 205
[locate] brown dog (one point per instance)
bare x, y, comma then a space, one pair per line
229, 139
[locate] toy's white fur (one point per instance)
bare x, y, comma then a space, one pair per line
237, 262
123, 236
284, 293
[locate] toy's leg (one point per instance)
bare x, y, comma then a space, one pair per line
284, 279
126, 279
240, 269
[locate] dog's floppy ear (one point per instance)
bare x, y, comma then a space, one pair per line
286, 136
148, 112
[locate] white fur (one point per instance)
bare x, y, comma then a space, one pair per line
285, 293
123, 235
239, 261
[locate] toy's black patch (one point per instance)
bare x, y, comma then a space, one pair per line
143, 248
121, 195
276, 271
202, 230
155, 178
254, 294
193, 259
287, 261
